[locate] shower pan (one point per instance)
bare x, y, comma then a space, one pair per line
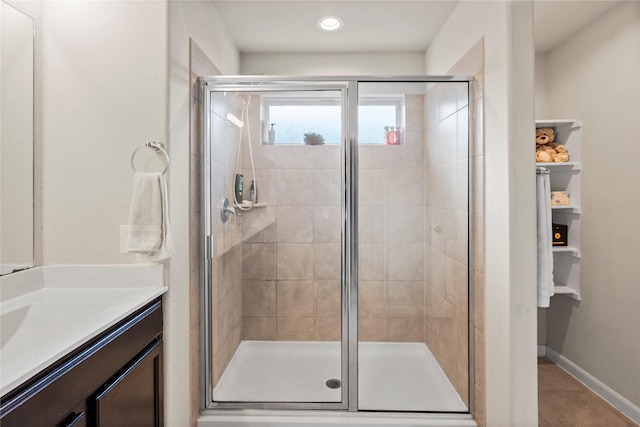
343, 281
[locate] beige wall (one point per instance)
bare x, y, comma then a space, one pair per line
593, 77
327, 64
104, 94
506, 29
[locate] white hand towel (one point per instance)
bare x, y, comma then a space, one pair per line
545, 246
149, 230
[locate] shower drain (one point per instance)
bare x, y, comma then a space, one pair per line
333, 383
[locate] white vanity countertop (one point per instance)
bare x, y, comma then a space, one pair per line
47, 312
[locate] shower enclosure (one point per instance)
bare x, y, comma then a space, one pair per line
337, 276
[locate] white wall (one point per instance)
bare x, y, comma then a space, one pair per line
510, 323
593, 77
197, 20
104, 94
336, 64
542, 100
16, 155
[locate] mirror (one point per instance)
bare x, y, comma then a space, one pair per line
16, 141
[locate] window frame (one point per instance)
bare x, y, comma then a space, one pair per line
326, 99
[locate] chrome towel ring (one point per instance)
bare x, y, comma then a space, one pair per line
156, 146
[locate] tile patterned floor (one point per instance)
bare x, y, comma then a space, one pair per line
564, 402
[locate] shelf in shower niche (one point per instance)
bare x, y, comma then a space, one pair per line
248, 205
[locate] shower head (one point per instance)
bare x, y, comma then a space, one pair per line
234, 120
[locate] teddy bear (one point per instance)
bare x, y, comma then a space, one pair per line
546, 149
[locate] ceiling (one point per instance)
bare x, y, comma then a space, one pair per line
379, 26
555, 21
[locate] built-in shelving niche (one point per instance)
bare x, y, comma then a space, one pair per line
567, 177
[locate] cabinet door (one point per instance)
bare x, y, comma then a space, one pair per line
134, 398
77, 417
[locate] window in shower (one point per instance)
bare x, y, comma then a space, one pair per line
294, 115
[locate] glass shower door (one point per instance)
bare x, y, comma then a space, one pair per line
413, 226
276, 301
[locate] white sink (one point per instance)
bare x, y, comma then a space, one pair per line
42, 323
48, 312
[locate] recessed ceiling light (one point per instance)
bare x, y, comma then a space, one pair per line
330, 23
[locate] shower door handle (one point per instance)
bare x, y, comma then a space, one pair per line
208, 247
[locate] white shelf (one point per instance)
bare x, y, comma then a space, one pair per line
566, 176
566, 290
560, 165
567, 249
574, 209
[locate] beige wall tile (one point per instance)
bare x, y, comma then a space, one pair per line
327, 226
259, 298
373, 329
464, 147
328, 298
296, 329
295, 224
373, 300
259, 261
328, 329
405, 261
295, 299
260, 233
371, 261
371, 187
404, 187
480, 406
327, 261
406, 329
406, 299
295, 261
404, 224
259, 328
295, 187
371, 220
326, 187
292, 156
478, 301
414, 112
326, 156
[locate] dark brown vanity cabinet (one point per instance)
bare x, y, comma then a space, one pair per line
113, 381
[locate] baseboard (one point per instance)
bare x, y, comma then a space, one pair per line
595, 385
542, 350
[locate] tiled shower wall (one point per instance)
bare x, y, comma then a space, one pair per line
446, 162
391, 234
446, 290
227, 257
291, 251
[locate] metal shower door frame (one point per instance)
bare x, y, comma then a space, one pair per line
348, 87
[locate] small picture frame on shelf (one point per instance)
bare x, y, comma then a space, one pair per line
560, 198
559, 237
